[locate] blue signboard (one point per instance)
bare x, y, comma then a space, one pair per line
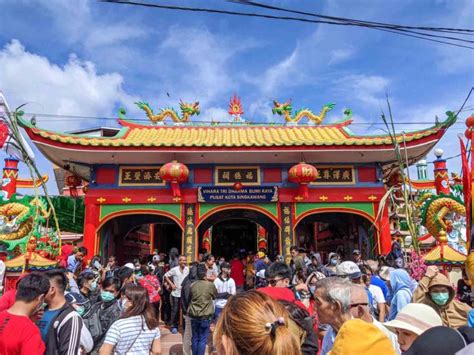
246, 194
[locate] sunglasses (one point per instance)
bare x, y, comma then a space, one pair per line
358, 304
273, 282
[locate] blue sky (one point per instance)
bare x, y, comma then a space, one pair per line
86, 58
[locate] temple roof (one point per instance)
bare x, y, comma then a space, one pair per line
450, 255
195, 143
134, 135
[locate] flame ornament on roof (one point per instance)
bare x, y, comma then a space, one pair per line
285, 109
235, 109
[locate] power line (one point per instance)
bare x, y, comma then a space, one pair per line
395, 30
394, 26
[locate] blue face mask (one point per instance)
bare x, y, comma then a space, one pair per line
81, 310
333, 262
107, 296
440, 298
312, 289
93, 286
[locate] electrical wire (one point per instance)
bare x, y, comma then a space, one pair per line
395, 30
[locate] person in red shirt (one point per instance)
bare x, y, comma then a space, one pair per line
8, 298
151, 283
18, 334
237, 273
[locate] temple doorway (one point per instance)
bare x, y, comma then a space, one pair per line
232, 231
337, 232
138, 236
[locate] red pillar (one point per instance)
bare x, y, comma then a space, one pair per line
385, 237
441, 174
10, 174
91, 222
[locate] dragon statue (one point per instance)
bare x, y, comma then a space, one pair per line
187, 110
434, 210
285, 109
20, 219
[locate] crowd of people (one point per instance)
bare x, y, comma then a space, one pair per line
251, 304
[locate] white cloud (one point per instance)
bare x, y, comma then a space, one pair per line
341, 55
367, 89
73, 89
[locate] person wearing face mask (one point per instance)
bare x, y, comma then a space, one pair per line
81, 305
18, 334
435, 290
333, 261
87, 283
61, 326
105, 312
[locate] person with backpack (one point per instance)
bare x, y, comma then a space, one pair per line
105, 312
152, 285
137, 330
60, 325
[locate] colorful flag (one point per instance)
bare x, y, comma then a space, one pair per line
466, 181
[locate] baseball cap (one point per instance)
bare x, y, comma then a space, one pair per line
348, 269
77, 298
130, 266
415, 317
261, 254
356, 251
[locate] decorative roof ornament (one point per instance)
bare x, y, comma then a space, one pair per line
285, 109
236, 109
187, 110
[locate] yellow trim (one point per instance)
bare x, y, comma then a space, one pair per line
216, 175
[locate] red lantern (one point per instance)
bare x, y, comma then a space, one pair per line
175, 173
302, 174
73, 181
470, 121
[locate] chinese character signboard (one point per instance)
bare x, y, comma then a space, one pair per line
190, 233
140, 176
335, 175
229, 175
287, 235
246, 194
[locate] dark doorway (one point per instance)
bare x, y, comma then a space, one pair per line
233, 235
235, 229
336, 232
137, 236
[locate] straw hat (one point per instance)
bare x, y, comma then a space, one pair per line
415, 317
385, 272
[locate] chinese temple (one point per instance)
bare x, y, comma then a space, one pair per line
227, 186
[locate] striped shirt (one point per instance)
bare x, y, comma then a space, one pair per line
131, 336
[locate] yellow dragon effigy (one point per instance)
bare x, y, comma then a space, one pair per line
187, 110
285, 109
434, 210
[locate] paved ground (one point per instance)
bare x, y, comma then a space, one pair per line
171, 343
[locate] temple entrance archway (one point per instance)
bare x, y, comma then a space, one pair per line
132, 236
340, 232
229, 231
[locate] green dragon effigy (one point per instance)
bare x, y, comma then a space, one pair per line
187, 110
20, 219
434, 210
285, 109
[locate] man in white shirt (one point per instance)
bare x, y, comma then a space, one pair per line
174, 278
225, 286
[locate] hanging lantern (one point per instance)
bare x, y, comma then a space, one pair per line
175, 173
73, 182
302, 174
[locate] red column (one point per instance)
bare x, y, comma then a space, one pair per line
385, 238
10, 174
91, 222
262, 238
441, 174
